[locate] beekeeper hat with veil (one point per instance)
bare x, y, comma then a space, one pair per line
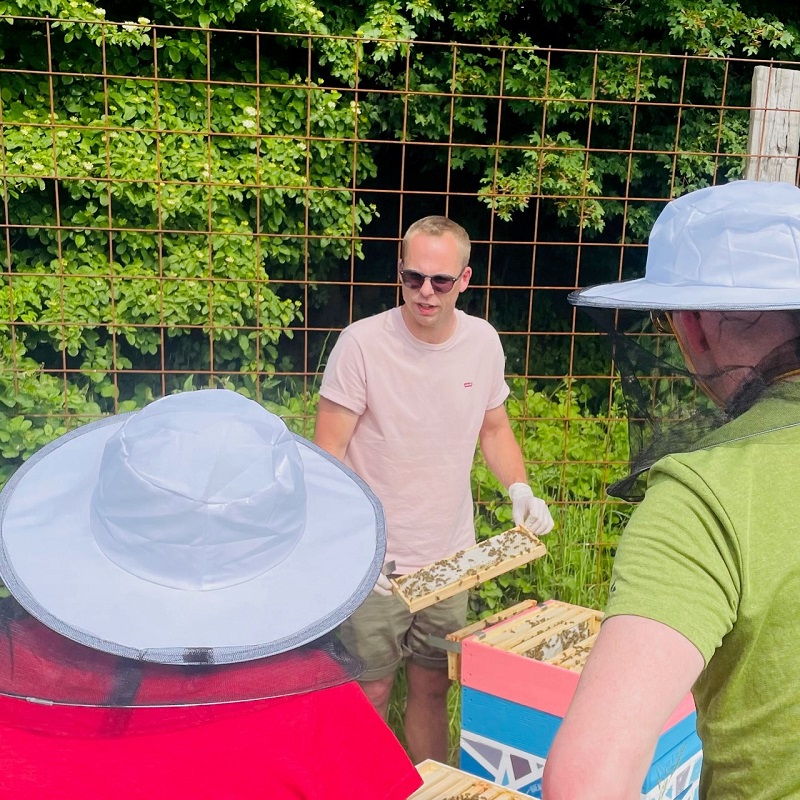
193, 552
732, 249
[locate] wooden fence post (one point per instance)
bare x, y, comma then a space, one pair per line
773, 141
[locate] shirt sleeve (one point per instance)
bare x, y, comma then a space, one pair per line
678, 560
500, 389
344, 380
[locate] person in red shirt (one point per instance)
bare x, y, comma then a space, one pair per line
176, 575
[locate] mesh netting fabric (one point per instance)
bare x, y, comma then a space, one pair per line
39, 664
668, 408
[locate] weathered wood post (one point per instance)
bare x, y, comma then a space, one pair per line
773, 141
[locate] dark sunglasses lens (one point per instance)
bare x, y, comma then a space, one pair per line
412, 279
442, 283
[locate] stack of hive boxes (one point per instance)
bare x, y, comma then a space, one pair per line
518, 677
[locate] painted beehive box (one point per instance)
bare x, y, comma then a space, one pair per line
518, 678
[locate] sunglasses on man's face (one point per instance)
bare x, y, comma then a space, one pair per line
441, 284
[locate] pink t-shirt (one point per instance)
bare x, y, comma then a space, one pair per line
421, 409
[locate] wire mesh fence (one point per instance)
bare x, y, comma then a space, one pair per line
185, 207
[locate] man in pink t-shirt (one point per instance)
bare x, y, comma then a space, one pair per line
405, 396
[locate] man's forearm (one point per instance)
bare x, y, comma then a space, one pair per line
503, 456
334, 428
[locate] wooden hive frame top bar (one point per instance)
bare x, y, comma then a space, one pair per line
555, 632
447, 783
454, 658
467, 568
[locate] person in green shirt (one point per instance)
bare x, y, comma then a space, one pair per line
706, 579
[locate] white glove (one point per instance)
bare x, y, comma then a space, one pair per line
529, 511
382, 586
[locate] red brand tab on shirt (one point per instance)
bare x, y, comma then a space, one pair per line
468, 385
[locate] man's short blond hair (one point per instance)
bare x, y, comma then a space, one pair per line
438, 226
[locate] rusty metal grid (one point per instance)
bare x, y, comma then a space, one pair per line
527, 263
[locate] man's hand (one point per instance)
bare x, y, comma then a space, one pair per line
528, 511
383, 586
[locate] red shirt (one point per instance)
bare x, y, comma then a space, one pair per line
325, 744
328, 744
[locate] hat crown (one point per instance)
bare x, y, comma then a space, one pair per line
199, 490
745, 234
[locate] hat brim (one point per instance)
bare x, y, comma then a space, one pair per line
51, 564
644, 295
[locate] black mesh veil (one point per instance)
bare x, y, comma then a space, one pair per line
39, 664
668, 405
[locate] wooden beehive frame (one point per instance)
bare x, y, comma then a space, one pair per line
454, 659
575, 657
447, 783
528, 626
468, 568
555, 633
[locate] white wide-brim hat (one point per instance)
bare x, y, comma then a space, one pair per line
197, 530
731, 247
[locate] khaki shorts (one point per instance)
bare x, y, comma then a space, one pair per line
383, 632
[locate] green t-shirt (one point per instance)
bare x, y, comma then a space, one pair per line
713, 551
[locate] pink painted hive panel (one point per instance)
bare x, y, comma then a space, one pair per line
535, 658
